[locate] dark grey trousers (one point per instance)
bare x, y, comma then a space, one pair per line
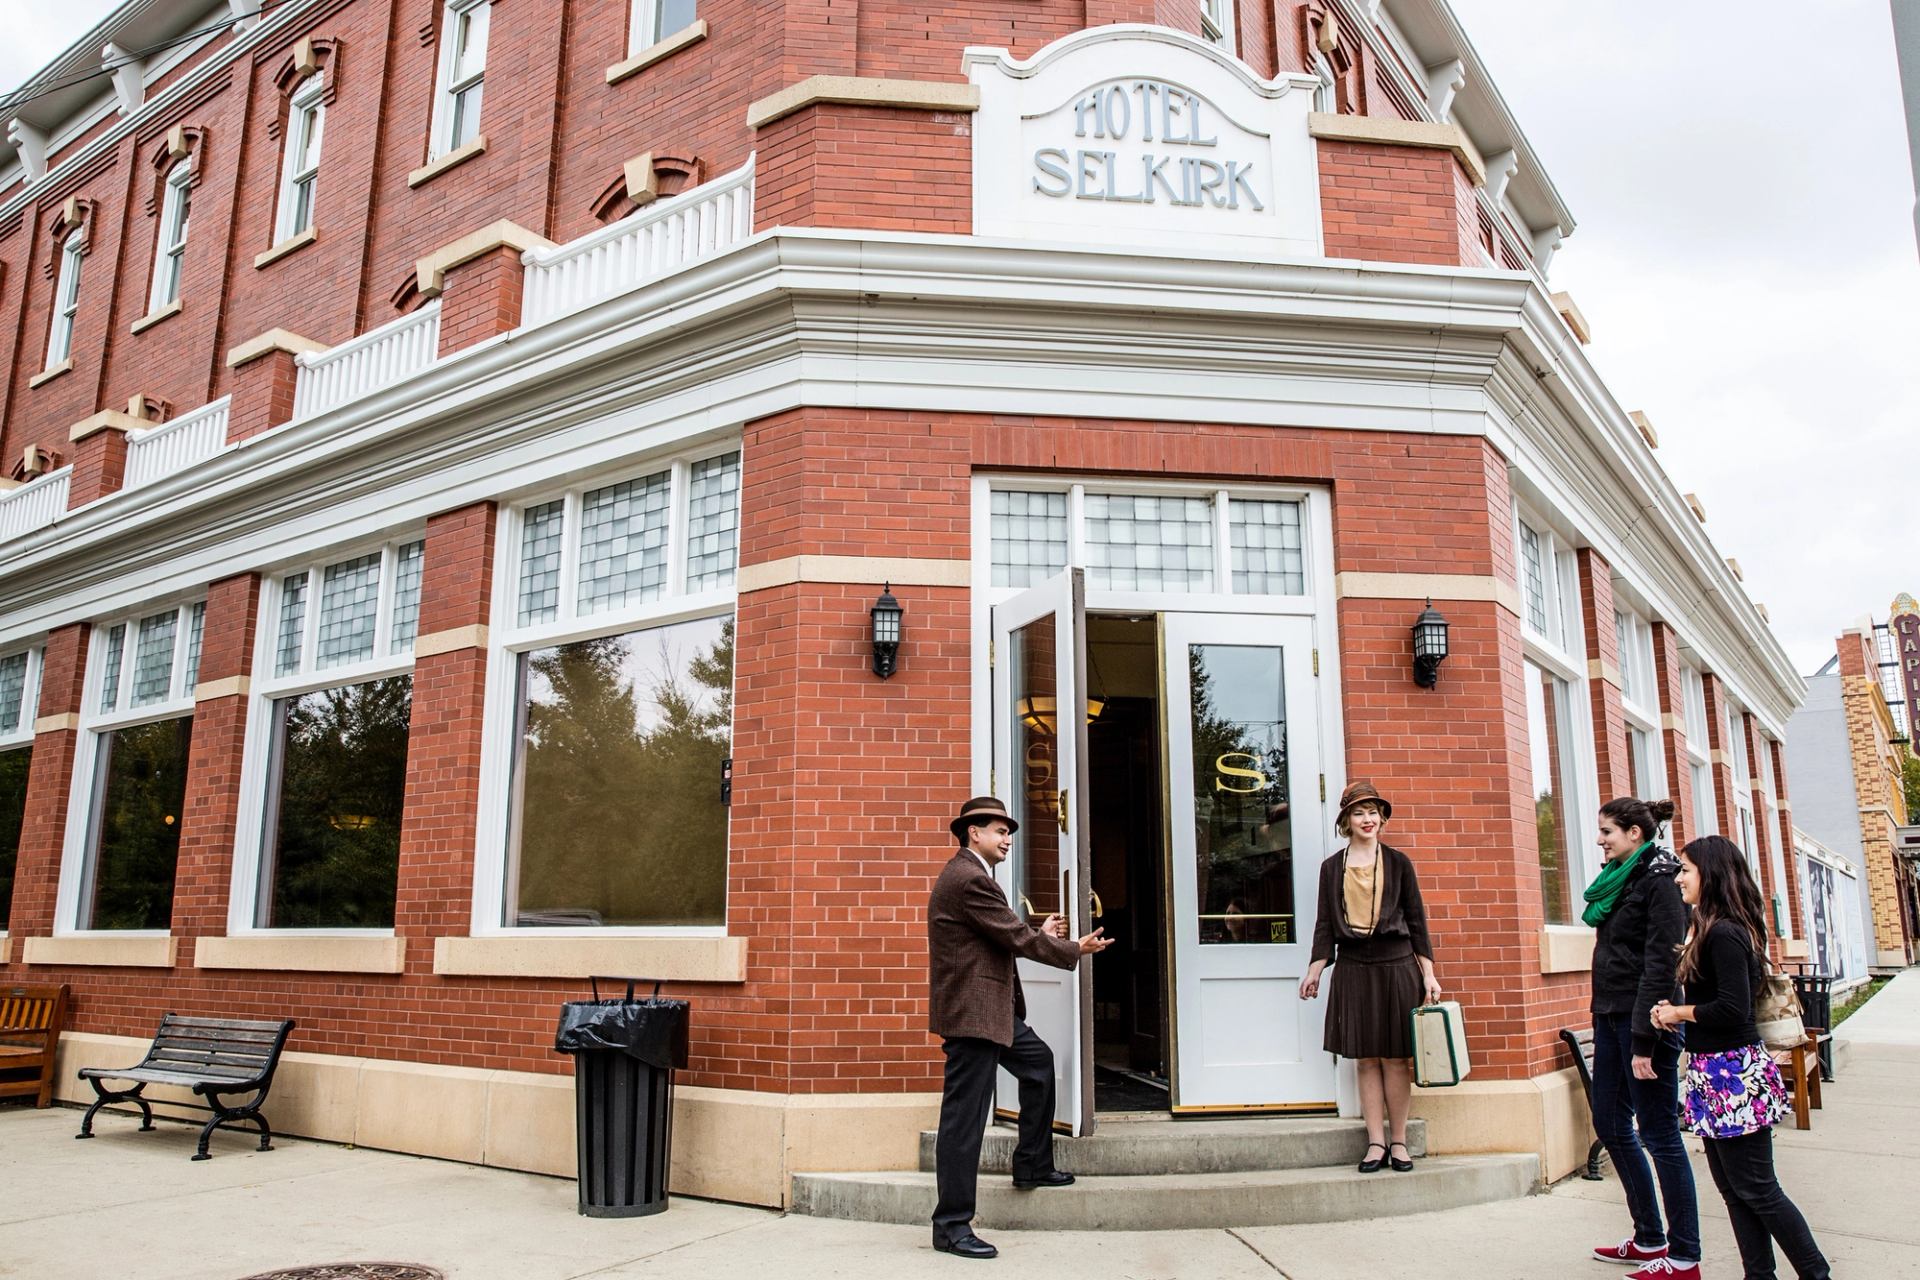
966, 1098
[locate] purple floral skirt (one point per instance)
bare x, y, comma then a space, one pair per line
1732, 1094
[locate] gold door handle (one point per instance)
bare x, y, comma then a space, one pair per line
1061, 811
1026, 905
1097, 909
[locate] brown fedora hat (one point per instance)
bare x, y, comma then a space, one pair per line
1360, 793
977, 812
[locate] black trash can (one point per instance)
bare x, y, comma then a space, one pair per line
1816, 1010
624, 1052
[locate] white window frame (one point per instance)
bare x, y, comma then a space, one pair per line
76, 857
1216, 23
306, 125
66, 297
1706, 812
1741, 767
21, 734
1640, 699
643, 28
507, 640
1563, 655
1770, 815
249, 840
454, 80
1325, 94
170, 241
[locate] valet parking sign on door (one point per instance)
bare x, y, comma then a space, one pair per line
1143, 136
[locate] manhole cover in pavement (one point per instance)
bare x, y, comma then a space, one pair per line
354, 1271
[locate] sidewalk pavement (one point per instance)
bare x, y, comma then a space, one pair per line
131, 1206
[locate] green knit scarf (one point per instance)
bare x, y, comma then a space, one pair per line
1603, 895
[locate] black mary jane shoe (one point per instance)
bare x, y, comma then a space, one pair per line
1400, 1165
1373, 1166
1051, 1178
967, 1246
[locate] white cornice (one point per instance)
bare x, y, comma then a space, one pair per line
933, 323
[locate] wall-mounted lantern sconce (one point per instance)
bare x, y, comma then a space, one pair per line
1429, 646
886, 632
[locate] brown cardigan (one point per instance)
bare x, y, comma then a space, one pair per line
1402, 913
972, 939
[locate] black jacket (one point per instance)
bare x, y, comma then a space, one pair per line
1727, 975
1634, 955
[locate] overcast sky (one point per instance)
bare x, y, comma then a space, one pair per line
1745, 256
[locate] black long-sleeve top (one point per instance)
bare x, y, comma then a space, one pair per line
1726, 975
1402, 911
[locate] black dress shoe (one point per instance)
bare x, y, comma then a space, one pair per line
967, 1246
1371, 1165
1399, 1164
1051, 1178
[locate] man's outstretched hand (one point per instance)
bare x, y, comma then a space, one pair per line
1095, 942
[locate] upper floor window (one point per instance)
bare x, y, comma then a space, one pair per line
655, 20
1706, 818
300, 166
19, 696
171, 247
1216, 22
463, 70
1640, 701
66, 298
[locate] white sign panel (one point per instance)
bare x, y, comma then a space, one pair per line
1144, 136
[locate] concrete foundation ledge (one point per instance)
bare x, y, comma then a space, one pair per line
103, 949
1546, 1115
728, 1144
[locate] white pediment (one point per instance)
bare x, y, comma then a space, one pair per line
1143, 135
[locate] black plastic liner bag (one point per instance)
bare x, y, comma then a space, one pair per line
653, 1031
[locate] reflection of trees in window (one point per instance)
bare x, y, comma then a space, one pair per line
619, 819
13, 806
341, 772
1242, 837
137, 824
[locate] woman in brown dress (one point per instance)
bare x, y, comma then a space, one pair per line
1372, 927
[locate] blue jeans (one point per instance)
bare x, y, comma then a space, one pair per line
1619, 1100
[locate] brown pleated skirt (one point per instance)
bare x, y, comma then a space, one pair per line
1372, 992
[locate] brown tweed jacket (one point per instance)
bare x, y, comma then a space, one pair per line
972, 939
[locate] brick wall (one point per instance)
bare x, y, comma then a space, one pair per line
1395, 204
882, 168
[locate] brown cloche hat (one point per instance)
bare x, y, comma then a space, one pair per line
977, 812
1357, 793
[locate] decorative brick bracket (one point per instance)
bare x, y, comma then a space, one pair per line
263, 381
480, 280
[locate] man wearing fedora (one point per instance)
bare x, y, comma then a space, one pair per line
980, 1013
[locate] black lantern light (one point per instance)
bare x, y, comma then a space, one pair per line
886, 632
1429, 646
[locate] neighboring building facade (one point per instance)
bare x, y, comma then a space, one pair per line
1848, 743
1832, 903
461, 455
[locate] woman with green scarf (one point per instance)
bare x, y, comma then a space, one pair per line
1634, 906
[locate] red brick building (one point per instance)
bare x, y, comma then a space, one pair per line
454, 457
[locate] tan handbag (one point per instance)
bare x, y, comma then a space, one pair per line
1777, 1014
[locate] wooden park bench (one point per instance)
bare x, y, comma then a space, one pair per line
1800, 1071
215, 1058
30, 1023
1581, 1043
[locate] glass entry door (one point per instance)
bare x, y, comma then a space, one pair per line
1039, 767
1249, 830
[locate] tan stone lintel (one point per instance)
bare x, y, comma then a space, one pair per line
1401, 133
105, 420
1427, 586
8, 484
55, 723
1673, 724
668, 959
153, 318
269, 342
1795, 949
451, 641
303, 953
1566, 949
1723, 759
1576, 319
870, 570
430, 272
689, 34
458, 156
299, 240
1598, 670
95, 949
226, 687
864, 91
49, 373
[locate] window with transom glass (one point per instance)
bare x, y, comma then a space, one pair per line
19, 699
300, 162
463, 74
171, 248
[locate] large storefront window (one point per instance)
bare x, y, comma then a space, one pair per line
137, 731
1550, 731
330, 730
1706, 819
619, 668
1558, 721
1640, 703
19, 694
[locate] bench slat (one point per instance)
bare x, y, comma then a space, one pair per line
223, 1024
184, 1080
194, 1062
217, 1033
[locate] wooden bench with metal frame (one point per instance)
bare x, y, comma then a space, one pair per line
215, 1058
31, 1019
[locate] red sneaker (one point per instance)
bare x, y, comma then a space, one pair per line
1666, 1269
1629, 1253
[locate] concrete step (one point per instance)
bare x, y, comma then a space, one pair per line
1161, 1145
1262, 1198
